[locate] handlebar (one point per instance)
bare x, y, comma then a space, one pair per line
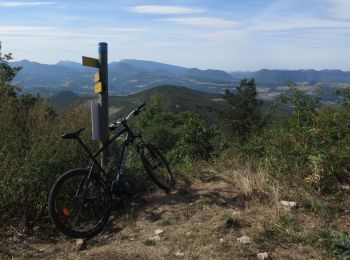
135, 112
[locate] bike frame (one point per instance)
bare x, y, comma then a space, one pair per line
130, 137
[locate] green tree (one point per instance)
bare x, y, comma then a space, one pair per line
7, 74
157, 124
345, 95
242, 114
304, 106
194, 138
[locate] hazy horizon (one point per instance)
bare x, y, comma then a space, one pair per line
226, 35
213, 68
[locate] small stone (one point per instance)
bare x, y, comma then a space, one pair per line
155, 238
222, 240
245, 239
288, 204
179, 253
345, 187
263, 256
236, 212
81, 244
36, 229
158, 231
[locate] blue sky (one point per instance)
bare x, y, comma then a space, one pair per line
221, 34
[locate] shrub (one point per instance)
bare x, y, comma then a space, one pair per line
32, 154
242, 114
309, 147
194, 139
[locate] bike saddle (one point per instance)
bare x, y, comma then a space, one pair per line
73, 135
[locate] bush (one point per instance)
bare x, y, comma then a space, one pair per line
183, 136
33, 155
309, 147
194, 139
242, 114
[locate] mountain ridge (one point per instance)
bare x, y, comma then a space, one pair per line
131, 76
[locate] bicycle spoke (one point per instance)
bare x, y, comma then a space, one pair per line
81, 208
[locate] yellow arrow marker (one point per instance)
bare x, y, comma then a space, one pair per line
90, 62
98, 87
96, 77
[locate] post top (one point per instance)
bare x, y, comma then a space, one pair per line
102, 47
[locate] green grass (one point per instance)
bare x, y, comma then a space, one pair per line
149, 242
202, 202
167, 221
227, 222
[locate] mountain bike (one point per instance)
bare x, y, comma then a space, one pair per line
81, 200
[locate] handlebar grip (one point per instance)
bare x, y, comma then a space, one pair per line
138, 110
142, 105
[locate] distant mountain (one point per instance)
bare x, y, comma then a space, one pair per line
265, 76
208, 74
280, 76
69, 64
241, 74
156, 66
50, 79
124, 69
125, 77
132, 76
161, 68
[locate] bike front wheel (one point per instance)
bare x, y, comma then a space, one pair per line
77, 206
157, 167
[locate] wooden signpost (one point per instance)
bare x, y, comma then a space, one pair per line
91, 62
98, 83
101, 88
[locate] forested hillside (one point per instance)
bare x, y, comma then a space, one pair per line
128, 77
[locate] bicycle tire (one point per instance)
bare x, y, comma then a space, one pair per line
56, 214
150, 153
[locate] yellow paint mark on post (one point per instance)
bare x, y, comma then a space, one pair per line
90, 62
97, 77
98, 87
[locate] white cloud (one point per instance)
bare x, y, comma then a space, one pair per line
298, 23
21, 4
340, 8
204, 21
165, 9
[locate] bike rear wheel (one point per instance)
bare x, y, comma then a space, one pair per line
78, 207
157, 167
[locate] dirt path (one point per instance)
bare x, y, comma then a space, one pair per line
201, 220
189, 218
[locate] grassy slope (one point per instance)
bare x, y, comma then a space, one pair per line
178, 98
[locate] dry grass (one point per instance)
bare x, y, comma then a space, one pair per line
203, 219
206, 220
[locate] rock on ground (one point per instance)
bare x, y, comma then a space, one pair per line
263, 256
245, 239
288, 204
